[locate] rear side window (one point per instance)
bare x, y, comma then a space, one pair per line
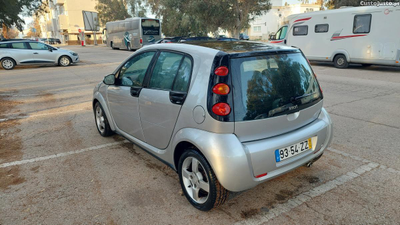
321, 28
165, 70
182, 79
300, 30
362, 24
20, 45
38, 46
272, 85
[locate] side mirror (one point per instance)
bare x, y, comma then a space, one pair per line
109, 79
50, 50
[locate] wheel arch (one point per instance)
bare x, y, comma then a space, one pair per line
224, 153
340, 52
98, 98
4, 57
58, 60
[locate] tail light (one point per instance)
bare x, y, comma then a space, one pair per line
221, 109
221, 71
221, 89
141, 41
261, 175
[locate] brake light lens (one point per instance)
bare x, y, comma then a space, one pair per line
221, 109
221, 89
221, 71
141, 41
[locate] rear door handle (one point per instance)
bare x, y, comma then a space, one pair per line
35, 53
177, 97
135, 91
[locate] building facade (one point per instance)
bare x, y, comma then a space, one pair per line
65, 19
267, 24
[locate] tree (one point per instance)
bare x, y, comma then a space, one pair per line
9, 33
199, 17
34, 29
112, 10
11, 12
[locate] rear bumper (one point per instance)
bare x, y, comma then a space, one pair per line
237, 172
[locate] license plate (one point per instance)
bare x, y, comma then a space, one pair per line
292, 150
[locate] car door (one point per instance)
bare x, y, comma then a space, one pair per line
43, 53
164, 93
21, 53
122, 97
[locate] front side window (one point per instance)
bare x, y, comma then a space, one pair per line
300, 30
271, 85
3, 45
20, 45
362, 24
165, 70
283, 33
38, 46
134, 71
321, 28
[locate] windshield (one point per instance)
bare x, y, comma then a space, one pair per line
150, 27
272, 85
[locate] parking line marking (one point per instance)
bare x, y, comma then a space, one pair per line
389, 169
38, 115
25, 161
308, 195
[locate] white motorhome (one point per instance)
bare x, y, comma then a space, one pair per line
367, 35
132, 33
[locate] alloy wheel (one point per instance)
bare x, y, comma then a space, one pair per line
100, 119
195, 180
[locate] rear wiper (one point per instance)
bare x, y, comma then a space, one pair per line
294, 99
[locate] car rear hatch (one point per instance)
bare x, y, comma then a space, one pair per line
274, 93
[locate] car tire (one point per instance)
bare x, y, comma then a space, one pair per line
196, 176
8, 63
100, 118
64, 61
340, 61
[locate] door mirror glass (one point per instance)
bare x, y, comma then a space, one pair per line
109, 79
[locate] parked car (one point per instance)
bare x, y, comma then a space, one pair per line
227, 39
176, 102
186, 39
54, 41
169, 40
243, 37
14, 53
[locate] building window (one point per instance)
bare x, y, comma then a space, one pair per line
257, 28
300, 30
362, 24
321, 28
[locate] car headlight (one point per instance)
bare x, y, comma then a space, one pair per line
73, 53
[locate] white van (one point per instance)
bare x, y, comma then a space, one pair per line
367, 35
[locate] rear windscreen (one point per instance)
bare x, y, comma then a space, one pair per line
272, 85
150, 27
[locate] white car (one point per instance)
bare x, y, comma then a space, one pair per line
14, 53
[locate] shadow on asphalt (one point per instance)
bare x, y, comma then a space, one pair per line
360, 67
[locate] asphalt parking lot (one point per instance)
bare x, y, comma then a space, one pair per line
56, 169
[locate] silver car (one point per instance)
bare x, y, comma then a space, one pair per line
14, 53
226, 116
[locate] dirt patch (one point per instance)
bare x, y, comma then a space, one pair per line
10, 145
10, 176
249, 213
312, 179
